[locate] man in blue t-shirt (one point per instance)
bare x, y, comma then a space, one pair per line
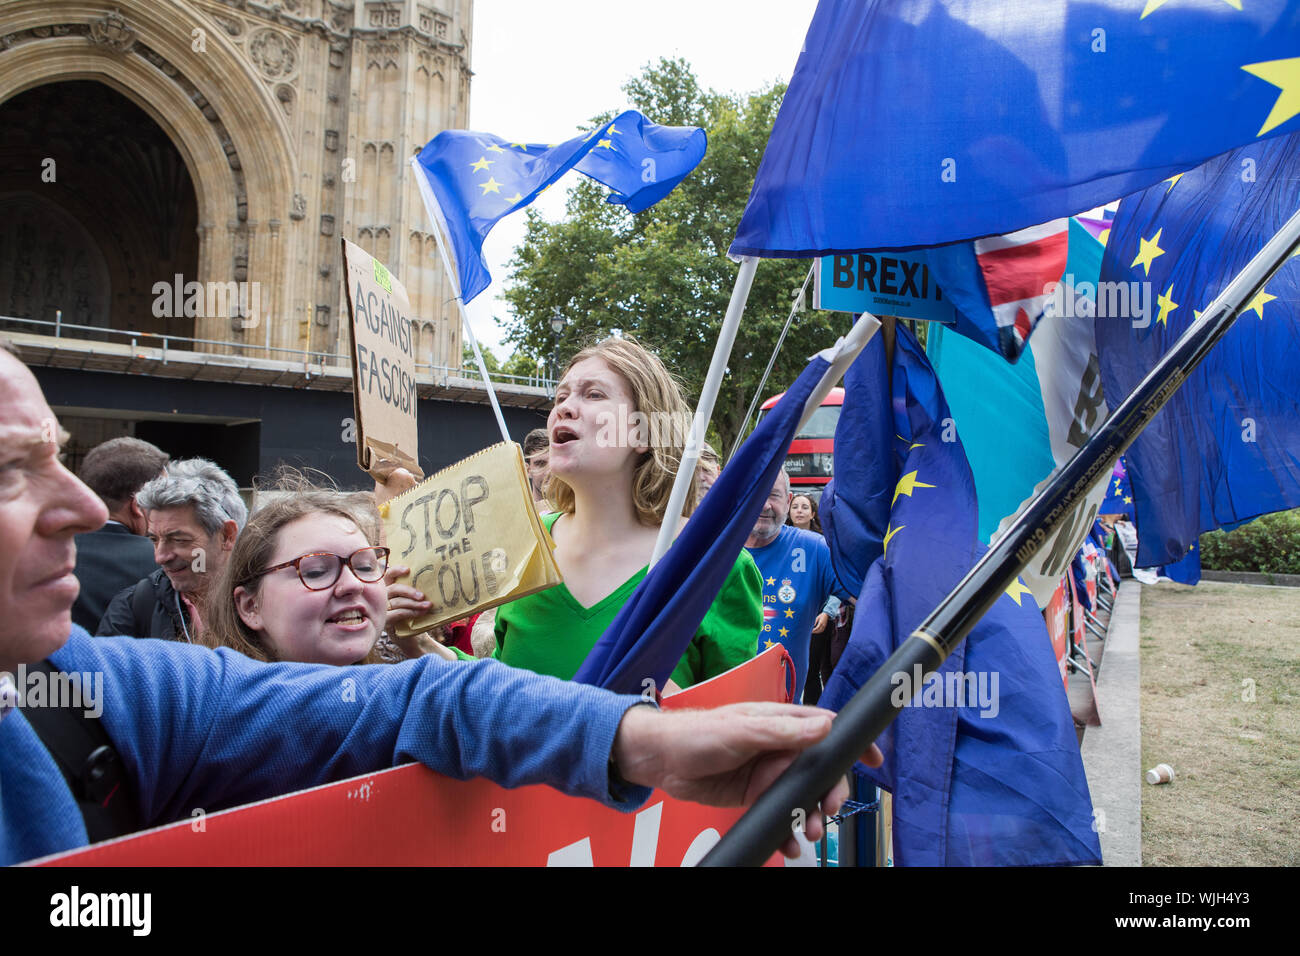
800, 590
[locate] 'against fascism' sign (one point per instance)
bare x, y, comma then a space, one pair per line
383, 365
471, 537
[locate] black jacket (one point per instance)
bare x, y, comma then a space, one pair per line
108, 560
149, 608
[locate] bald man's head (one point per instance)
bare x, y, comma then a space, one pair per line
770, 519
42, 506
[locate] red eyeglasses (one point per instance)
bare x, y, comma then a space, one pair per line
320, 570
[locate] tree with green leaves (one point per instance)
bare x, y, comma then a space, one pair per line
663, 274
490, 360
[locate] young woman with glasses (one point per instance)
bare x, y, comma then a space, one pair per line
305, 582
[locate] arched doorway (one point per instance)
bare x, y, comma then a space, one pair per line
96, 207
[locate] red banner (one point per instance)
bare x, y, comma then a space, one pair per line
1055, 615
410, 816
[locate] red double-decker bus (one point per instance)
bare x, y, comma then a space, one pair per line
810, 463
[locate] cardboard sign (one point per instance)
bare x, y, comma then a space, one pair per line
411, 816
383, 366
471, 537
882, 283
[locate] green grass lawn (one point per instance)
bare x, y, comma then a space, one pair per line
1221, 705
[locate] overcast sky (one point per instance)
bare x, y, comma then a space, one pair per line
542, 70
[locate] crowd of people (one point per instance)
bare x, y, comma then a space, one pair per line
171, 568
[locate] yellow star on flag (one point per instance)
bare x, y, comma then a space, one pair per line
491, 186
1128, 500
789, 612
1017, 590
1285, 75
906, 485
768, 645
482, 164
515, 198
783, 632
1259, 302
1167, 305
771, 581
494, 148
1148, 250
1153, 5
889, 533
1173, 181
607, 143
523, 146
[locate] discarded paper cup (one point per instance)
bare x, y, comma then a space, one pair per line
1160, 773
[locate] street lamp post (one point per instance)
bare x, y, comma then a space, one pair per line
558, 324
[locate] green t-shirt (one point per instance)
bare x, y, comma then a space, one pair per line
551, 633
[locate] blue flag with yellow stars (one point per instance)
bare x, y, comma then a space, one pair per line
1186, 571
983, 760
1226, 448
475, 179
919, 122
1119, 495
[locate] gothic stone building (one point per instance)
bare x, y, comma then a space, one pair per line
149, 144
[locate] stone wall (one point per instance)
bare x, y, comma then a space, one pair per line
294, 119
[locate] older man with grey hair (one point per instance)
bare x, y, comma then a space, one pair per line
194, 515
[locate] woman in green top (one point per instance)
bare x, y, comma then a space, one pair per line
617, 432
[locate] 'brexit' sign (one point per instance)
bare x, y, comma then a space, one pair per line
882, 285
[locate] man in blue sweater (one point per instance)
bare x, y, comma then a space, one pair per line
209, 729
801, 593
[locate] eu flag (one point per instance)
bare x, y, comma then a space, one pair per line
477, 178
918, 122
654, 627
984, 763
1119, 495
1226, 448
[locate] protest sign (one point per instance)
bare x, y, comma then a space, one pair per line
471, 537
383, 366
882, 284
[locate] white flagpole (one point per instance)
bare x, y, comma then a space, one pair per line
841, 356
435, 213
704, 410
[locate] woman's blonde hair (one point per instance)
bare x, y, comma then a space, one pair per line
657, 396
298, 498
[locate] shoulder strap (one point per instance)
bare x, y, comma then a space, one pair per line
89, 763
142, 602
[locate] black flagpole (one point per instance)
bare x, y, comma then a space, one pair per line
767, 824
